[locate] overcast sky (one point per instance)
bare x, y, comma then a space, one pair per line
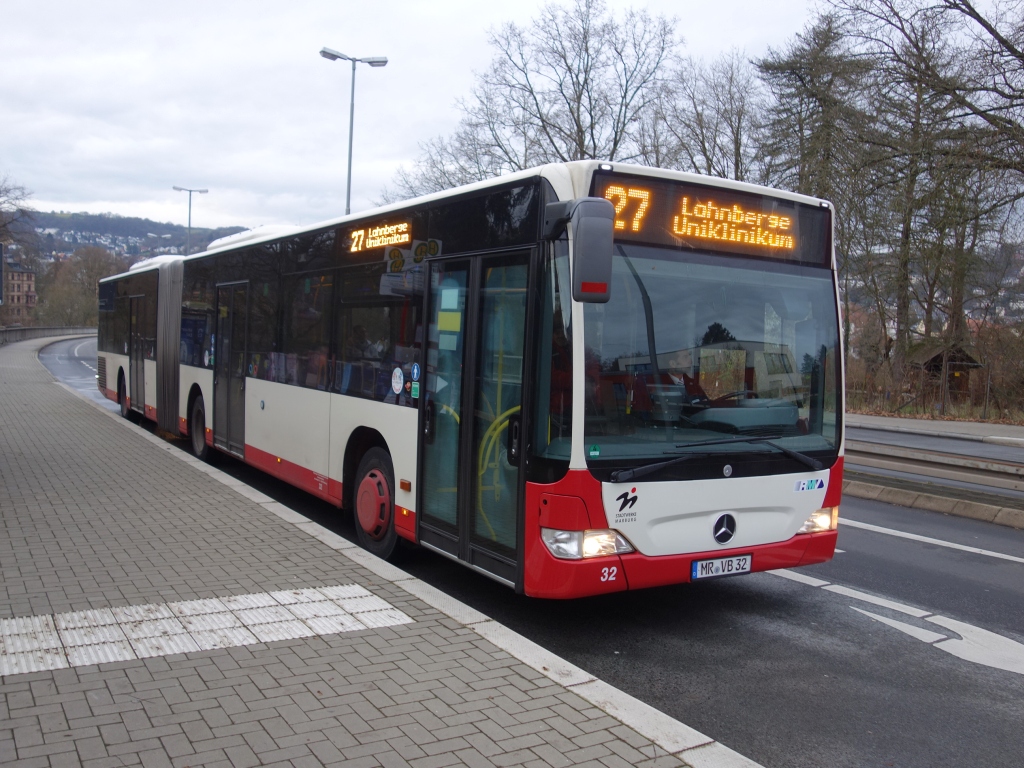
104, 106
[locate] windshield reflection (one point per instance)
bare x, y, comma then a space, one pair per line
742, 347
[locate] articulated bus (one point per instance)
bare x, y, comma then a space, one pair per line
577, 379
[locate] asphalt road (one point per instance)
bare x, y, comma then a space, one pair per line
785, 672
73, 362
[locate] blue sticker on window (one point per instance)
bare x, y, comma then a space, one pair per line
415, 373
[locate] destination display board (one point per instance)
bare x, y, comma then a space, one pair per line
703, 217
369, 238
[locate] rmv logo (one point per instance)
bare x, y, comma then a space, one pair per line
809, 485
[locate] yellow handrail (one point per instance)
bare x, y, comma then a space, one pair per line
487, 444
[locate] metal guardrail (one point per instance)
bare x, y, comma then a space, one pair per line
995, 474
9, 335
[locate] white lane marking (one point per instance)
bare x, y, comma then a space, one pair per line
981, 646
891, 604
974, 644
928, 540
39, 643
840, 551
802, 578
74, 353
924, 635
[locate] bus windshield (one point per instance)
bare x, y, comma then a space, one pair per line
694, 345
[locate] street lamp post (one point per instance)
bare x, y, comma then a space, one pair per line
373, 61
188, 243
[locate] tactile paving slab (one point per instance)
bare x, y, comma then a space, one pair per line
79, 638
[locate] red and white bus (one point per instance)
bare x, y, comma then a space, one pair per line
577, 379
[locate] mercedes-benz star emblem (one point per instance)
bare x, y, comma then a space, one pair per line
725, 529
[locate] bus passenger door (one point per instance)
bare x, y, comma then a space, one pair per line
441, 433
229, 369
471, 436
136, 355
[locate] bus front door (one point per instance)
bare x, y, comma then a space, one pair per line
229, 369
136, 355
471, 435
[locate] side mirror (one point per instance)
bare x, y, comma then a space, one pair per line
592, 220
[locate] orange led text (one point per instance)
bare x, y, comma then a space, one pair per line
381, 236
620, 197
710, 221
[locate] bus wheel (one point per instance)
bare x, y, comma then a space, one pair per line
122, 399
197, 429
374, 505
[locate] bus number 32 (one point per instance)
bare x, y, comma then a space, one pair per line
609, 574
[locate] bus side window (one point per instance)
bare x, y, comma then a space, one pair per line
121, 325
307, 330
262, 342
197, 316
377, 331
149, 317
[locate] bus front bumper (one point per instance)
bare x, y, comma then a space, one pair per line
549, 577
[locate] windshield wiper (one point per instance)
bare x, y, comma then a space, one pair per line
625, 475
801, 457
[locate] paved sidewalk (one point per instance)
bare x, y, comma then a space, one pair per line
118, 545
980, 431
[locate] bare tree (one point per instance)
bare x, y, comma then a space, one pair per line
711, 113
906, 135
990, 85
575, 84
12, 209
68, 291
981, 71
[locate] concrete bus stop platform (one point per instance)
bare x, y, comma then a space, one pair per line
156, 612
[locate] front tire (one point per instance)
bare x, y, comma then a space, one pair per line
373, 503
197, 430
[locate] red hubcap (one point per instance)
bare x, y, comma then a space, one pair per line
373, 505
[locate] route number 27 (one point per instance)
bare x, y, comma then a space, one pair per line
357, 240
621, 198
609, 574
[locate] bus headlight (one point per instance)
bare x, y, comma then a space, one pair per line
826, 519
575, 545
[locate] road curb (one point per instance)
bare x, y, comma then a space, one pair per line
990, 513
675, 737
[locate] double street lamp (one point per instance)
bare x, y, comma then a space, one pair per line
373, 61
188, 246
